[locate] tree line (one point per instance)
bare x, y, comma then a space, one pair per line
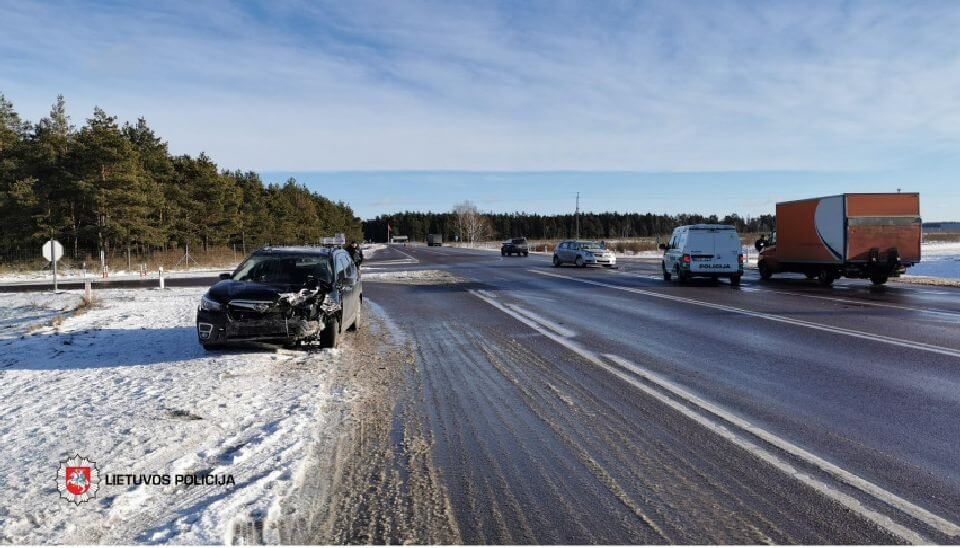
595, 226
117, 188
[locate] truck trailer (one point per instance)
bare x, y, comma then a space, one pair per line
434, 240
874, 236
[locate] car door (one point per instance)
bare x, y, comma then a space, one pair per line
348, 284
670, 257
562, 252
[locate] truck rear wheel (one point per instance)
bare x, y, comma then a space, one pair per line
826, 278
879, 279
765, 272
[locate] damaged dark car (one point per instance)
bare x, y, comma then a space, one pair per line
283, 295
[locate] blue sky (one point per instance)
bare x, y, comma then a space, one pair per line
707, 106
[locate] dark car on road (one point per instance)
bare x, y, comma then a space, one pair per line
285, 295
516, 246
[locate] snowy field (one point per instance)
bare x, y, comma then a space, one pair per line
940, 260
125, 384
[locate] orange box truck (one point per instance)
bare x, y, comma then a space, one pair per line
873, 236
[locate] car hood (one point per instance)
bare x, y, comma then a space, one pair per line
228, 290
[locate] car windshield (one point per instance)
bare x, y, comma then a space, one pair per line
590, 245
288, 270
520, 240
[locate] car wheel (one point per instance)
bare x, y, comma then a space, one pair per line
330, 338
580, 263
526, 253
765, 272
735, 281
666, 275
556, 262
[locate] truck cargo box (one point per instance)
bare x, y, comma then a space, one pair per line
848, 228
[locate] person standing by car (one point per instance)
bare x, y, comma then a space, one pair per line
356, 254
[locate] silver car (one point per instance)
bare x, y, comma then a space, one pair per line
582, 253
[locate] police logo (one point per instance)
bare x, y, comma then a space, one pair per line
78, 480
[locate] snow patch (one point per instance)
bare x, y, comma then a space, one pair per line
126, 385
412, 277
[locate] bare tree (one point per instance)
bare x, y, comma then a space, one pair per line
472, 227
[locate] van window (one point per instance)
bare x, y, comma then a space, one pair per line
708, 241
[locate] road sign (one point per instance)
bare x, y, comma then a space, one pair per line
52, 251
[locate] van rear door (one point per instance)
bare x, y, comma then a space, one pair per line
713, 250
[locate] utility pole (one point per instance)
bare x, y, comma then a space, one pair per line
578, 216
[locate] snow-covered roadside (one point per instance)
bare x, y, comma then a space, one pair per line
126, 385
78, 275
21, 313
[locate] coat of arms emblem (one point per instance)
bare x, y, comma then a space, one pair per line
78, 479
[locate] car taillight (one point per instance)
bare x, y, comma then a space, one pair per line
740, 258
685, 259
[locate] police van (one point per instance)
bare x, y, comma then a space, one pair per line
703, 251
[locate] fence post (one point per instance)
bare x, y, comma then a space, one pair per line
160, 272
87, 291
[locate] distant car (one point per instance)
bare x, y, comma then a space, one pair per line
582, 254
516, 246
286, 295
703, 251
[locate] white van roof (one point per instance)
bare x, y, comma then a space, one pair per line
707, 227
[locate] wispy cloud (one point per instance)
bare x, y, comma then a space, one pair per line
507, 86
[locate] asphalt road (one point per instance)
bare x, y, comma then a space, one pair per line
598, 406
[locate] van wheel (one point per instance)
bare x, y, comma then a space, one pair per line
666, 275
556, 262
683, 277
735, 281
526, 253
765, 272
330, 338
878, 279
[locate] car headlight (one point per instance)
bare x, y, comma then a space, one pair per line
210, 305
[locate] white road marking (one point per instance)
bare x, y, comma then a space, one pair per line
932, 311
907, 507
555, 327
915, 345
832, 493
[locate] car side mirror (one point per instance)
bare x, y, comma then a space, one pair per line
225, 276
